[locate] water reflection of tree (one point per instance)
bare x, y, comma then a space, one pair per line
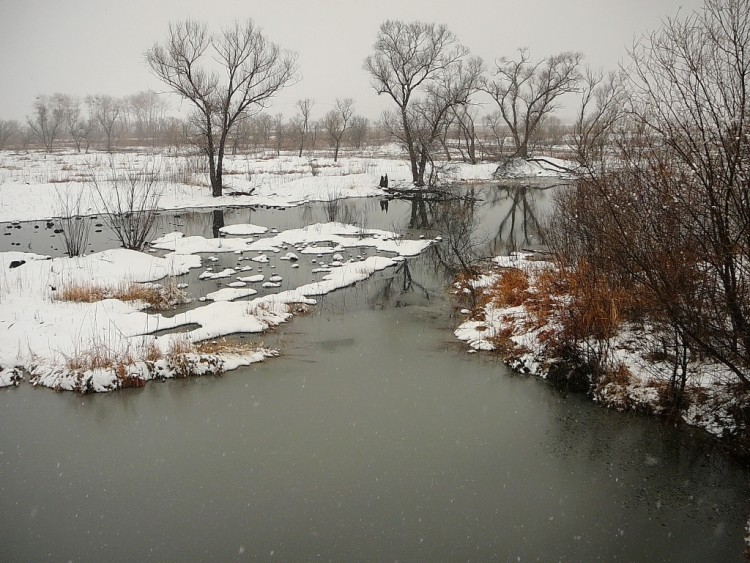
419, 218
521, 224
456, 220
306, 217
401, 283
454, 213
217, 223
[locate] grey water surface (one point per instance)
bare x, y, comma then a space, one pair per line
373, 437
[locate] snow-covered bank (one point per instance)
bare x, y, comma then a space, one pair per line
526, 334
37, 185
110, 344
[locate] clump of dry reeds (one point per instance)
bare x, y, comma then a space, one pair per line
159, 297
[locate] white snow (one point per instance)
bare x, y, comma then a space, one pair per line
230, 293
41, 335
244, 229
252, 279
209, 275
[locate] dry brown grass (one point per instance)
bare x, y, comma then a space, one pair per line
510, 290
182, 359
618, 375
597, 307
569, 305
101, 357
98, 356
158, 297
224, 346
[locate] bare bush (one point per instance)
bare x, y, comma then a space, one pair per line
48, 118
129, 200
671, 221
332, 205
74, 229
8, 130
600, 108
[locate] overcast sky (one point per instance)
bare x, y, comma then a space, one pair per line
85, 47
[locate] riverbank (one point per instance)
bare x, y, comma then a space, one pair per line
519, 311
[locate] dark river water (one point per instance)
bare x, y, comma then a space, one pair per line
375, 436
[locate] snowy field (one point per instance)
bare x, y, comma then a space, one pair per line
36, 185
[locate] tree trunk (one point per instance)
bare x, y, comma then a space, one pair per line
410, 147
421, 168
336, 152
472, 148
217, 187
522, 151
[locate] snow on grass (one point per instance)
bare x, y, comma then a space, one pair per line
30, 181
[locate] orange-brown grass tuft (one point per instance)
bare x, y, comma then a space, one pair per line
82, 293
510, 289
598, 307
157, 297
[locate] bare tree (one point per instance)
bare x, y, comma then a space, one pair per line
601, 107
526, 91
315, 128
300, 123
8, 130
80, 128
147, 110
494, 124
465, 118
430, 116
279, 132
337, 121
107, 112
48, 118
254, 70
358, 131
412, 59
260, 130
